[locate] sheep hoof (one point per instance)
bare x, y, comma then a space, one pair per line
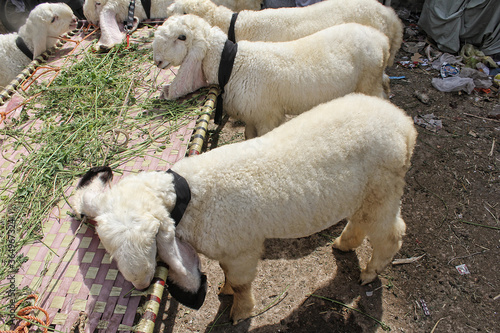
164, 92
100, 48
240, 315
367, 277
104, 48
337, 245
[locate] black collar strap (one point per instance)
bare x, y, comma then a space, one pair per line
146, 4
230, 34
183, 196
225, 69
23, 47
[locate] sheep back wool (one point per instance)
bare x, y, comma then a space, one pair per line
183, 196
24, 48
225, 68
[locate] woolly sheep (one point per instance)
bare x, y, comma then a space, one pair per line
45, 23
270, 79
344, 159
109, 15
284, 24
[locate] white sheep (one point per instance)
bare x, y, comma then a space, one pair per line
239, 5
270, 79
109, 15
284, 24
343, 159
45, 23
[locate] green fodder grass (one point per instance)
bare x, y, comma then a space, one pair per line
99, 110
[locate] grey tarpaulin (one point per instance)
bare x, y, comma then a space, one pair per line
452, 22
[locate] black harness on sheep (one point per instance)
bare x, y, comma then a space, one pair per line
146, 4
183, 196
225, 68
230, 33
24, 48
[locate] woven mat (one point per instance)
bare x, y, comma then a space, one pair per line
69, 269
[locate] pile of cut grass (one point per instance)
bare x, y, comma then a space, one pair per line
83, 119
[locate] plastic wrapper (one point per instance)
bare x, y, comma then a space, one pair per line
454, 83
481, 80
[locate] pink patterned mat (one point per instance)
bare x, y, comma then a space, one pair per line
70, 270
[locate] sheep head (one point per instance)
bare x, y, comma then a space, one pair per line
45, 23
92, 10
181, 41
134, 225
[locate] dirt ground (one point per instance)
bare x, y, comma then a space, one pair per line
454, 179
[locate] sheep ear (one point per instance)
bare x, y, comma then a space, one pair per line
40, 43
110, 31
89, 191
185, 281
190, 76
132, 247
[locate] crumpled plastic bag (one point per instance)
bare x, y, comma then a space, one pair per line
429, 122
445, 58
454, 83
473, 56
467, 80
481, 80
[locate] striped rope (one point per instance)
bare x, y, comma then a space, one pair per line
201, 129
11, 88
130, 17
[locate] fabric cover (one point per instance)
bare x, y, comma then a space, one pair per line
452, 22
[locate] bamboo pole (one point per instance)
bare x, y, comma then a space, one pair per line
201, 129
155, 293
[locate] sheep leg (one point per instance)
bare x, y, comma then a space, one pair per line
243, 303
226, 288
386, 83
352, 236
254, 130
269, 124
239, 276
164, 91
386, 239
250, 131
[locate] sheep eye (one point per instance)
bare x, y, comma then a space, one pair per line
97, 3
182, 37
53, 19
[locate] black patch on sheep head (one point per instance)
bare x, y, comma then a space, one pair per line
104, 173
187, 298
